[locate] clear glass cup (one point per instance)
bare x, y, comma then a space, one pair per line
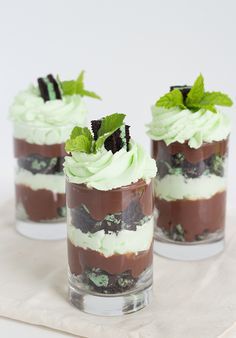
39, 181
110, 248
190, 199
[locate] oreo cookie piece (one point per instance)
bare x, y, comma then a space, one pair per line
96, 125
81, 219
127, 136
185, 89
114, 142
43, 89
117, 140
133, 214
49, 88
55, 86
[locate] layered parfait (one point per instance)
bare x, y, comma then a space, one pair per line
43, 116
190, 145
110, 217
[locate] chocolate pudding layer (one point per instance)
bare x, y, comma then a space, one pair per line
186, 220
161, 151
110, 235
39, 182
23, 149
39, 205
113, 201
80, 259
190, 191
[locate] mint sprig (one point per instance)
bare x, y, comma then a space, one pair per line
196, 99
82, 140
73, 87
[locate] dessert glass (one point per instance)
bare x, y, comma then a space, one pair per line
39, 182
110, 251
190, 199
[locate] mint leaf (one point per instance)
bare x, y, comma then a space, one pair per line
208, 107
196, 107
74, 87
90, 94
109, 125
216, 98
77, 131
210, 100
80, 140
68, 87
197, 91
80, 80
79, 143
171, 99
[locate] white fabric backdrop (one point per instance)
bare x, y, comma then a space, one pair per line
132, 52
192, 299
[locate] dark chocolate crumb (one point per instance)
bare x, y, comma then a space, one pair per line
177, 160
176, 233
129, 219
216, 165
81, 219
195, 170
202, 236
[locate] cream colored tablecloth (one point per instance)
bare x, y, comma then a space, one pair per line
192, 299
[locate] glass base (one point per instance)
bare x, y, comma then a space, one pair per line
45, 231
110, 305
188, 252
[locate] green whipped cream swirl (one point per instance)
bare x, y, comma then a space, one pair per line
176, 125
48, 122
105, 171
